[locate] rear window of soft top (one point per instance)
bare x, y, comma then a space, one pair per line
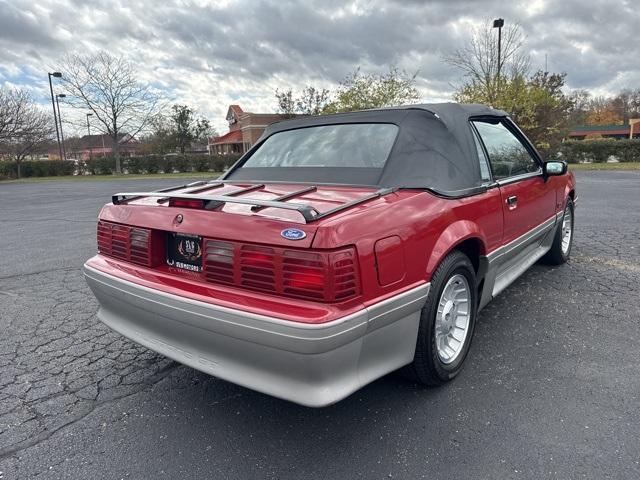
358, 145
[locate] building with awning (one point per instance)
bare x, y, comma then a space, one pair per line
244, 130
628, 130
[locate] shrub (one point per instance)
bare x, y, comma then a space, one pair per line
153, 163
132, 165
182, 164
100, 165
599, 151
7, 170
37, 168
201, 164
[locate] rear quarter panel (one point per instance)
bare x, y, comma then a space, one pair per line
429, 227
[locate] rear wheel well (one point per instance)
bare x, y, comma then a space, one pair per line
572, 194
472, 248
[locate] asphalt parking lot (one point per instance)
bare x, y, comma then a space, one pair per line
551, 388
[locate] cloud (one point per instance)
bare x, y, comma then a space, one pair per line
212, 53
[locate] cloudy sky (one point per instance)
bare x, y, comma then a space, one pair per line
209, 53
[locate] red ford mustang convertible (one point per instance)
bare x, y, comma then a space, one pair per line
338, 249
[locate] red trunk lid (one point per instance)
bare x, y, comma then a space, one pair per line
233, 221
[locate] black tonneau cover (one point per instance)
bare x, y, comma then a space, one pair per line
434, 149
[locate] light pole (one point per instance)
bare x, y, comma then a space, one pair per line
499, 23
89, 133
61, 95
55, 117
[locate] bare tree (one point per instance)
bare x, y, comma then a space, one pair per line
13, 103
24, 126
6, 114
627, 103
107, 86
311, 101
286, 103
479, 58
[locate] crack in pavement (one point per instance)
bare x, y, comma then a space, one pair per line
58, 363
20, 275
42, 436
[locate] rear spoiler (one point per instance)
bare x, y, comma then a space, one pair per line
211, 202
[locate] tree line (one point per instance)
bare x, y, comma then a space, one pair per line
107, 88
600, 110
24, 126
357, 91
536, 99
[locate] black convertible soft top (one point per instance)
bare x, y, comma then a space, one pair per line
434, 148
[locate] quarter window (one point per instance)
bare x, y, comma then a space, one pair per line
484, 163
508, 156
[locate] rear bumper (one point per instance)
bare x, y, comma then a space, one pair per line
310, 364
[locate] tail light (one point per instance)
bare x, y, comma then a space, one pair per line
311, 275
318, 275
305, 274
132, 244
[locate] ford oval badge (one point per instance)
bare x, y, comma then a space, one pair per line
293, 234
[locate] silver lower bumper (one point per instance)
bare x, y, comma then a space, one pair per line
313, 365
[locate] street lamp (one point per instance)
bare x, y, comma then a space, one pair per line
64, 151
88, 128
499, 23
89, 133
55, 117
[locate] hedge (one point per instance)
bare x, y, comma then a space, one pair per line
132, 165
41, 168
600, 151
573, 151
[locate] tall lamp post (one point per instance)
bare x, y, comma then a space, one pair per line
55, 117
499, 23
89, 133
64, 151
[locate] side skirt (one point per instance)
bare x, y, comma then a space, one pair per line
507, 263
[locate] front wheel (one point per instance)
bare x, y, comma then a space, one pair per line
563, 240
447, 322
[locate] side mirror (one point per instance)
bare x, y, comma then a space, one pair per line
554, 168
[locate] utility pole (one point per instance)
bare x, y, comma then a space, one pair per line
64, 151
89, 134
499, 23
55, 117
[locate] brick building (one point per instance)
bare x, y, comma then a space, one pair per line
90, 146
244, 130
628, 130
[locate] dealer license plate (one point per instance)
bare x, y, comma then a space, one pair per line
184, 251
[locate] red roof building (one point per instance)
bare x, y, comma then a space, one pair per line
629, 130
90, 146
244, 130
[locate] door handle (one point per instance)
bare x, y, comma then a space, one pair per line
512, 201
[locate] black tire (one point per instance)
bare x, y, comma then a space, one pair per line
556, 256
427, 368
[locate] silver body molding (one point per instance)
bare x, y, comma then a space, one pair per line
507, 263
313, 365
